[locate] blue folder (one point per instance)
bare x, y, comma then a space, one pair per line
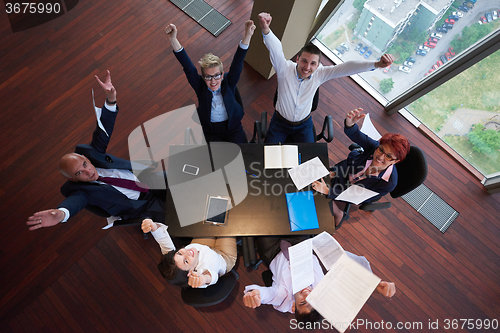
302, 211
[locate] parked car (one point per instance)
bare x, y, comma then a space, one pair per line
453, 17
421, 53
411, 59
363, 50
450, 49
439, 63
463, 8
483, 20
337, 53
368, 54
448, 26
358, 47
494, 14
441, 29
448, 55
437, 36
459, 14
344, 46
430, 44
433, 40
489, 18
443, 59
434, 67
450, 21
404, 69
472, 1
408, 64
469, 4
424, 48
386, 69
340, 50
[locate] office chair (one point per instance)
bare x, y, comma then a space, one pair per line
211, 295
412, 172
325, 134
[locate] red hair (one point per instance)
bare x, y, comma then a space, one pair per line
399, 144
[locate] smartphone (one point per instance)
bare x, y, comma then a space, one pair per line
190, 169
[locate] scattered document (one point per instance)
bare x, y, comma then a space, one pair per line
98, 112
341, 294
304, 174
356, 194
369, 129
327, 249
278, 157
301, 265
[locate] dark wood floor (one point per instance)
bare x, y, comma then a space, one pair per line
78, 278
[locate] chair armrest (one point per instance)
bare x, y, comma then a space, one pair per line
327, 130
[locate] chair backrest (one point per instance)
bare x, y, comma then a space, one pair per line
211, 295
412, 172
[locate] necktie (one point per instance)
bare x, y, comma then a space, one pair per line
125, 183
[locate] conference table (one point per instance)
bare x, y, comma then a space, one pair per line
264, 209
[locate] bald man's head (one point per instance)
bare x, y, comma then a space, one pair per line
77, 168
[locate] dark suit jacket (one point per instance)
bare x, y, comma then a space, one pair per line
228, 87
355, 162
80, 194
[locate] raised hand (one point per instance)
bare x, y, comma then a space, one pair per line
45, 218
388, 289
354, 116
171, 31
249, 29
148, 225
264, 22
251, 299
108, 88
385, 61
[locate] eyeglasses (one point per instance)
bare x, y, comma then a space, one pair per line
210, 77
389, 157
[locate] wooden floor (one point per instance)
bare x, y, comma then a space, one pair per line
78, 278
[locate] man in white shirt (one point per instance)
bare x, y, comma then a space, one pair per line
280, 294
298, 82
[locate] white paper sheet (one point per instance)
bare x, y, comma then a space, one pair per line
304, 174
327, 249
98, 112
343, 291
301, 265
356, 194
369, 129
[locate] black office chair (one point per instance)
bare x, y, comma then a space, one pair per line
211, 295
412, 172
260, 128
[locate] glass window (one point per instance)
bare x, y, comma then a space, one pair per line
424, 35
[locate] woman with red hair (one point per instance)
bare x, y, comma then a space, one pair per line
371, 167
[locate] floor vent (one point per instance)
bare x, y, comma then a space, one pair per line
432, 207
204, 14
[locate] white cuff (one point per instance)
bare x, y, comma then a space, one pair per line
66, 214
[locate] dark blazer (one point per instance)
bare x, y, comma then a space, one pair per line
228, 87
80, 194
355, 162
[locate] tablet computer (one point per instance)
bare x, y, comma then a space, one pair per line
216, 211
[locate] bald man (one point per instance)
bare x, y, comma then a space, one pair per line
101, 182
